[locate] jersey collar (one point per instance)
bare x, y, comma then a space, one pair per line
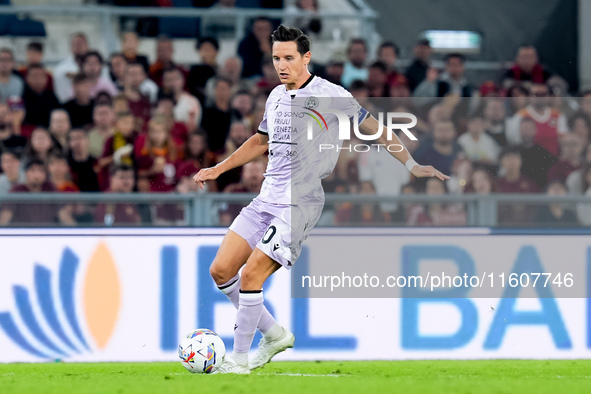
292, 92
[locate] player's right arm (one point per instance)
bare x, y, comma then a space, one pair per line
250, 150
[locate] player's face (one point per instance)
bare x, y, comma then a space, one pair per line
288, 62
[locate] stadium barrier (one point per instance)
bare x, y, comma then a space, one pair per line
203, 209
130, 294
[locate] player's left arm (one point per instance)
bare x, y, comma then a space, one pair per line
371, 124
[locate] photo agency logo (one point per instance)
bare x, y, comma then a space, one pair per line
316, 116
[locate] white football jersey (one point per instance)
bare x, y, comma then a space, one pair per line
299, 123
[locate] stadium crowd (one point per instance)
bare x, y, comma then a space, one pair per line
120, 124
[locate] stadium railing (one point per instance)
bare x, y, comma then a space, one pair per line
109, 16
203, 209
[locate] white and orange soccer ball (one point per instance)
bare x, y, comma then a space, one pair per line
202, 351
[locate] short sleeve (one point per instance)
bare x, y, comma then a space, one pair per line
351, 107
263, 125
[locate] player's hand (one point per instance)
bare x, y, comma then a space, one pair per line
206, 174
428, 172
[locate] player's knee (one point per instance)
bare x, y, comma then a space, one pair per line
249, 278
220, 273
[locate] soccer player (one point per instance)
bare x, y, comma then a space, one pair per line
268, 233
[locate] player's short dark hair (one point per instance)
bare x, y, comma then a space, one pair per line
389, 44
455, 55
90, 54
35, 162
120, 168
286, 34
381, 65
35, 46
212, 40
510, 150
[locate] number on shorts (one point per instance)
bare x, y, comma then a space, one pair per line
269, 234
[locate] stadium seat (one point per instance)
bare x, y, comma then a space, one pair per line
180, 27
26, 27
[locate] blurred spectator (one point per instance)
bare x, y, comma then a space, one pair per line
217, 23
80, 108
232, 70
129, 45
165, 107
584, 209
461, 172
518, 99
243, 103
388, 53
10, 164
481, 182
139, 104
136, 77
354, 68
255, 46
197, 156
536, 159
385, 173
334, 70
122, 180
218, 116
120, 104
401, 215
8, 138
117, 65
40, 146
59, 126
164, 55
59, 173
103, 119
92, 66
556, 214
571, 148
187, 108
526, 68
237, 136
550, 123
442, 150
157, 156
37, 99
118, 148
417, 71
580, 124
35, 213
81, 163
208, 48
11, 85
495, 120
309, 23
477, 144
514, 182
69, 67
251, 181
451, 82
270, 79
574, 182
364, 213
437, 214
377, 80
34, 55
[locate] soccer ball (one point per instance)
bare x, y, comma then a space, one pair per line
202, 351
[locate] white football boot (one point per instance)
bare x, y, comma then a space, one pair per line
230, 366
267, 349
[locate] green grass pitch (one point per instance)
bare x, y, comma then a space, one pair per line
326, 377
